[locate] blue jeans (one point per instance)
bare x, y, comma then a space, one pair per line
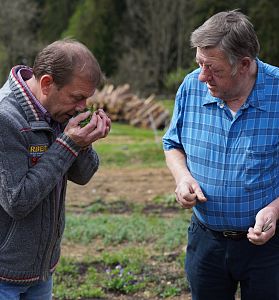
215, 265
39, 291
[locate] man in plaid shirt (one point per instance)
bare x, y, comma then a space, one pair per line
222, 148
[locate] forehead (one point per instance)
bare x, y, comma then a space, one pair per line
80, 86
211, 56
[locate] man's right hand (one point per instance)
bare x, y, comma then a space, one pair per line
188, 192
98, 127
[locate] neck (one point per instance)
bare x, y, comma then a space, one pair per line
33, 86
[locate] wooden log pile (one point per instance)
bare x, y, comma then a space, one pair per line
124, 106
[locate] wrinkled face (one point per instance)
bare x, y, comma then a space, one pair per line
217, 73
63, 103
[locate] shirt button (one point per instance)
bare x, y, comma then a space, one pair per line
221, 105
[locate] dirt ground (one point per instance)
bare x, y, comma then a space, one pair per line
117, 184
136, 185
114, 184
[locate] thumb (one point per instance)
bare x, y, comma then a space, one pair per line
200, 195
258, 226
82, 116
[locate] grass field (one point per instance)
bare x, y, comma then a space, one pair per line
123, 249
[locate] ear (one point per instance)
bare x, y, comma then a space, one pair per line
245, 64
46, 83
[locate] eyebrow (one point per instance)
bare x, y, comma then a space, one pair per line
198, 60
79, 96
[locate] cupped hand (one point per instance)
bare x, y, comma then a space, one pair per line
98, 127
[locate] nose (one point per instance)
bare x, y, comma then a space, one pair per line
81, 105
205, 74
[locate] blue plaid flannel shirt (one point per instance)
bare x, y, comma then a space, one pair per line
234, 159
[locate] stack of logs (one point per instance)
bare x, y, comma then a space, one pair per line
122, 105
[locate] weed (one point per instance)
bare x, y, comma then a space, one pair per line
123, 279
170, 291
68, 284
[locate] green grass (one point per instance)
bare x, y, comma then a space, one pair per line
148, 256
70, 285
130, 146
135, 228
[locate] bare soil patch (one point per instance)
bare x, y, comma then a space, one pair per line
128, 184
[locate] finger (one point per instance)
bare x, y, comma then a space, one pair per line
91, 125
198, 192
259, 238
107, 131
101, 125
258, 227
185, 203
107, 119
186, 200
253, 238
186, 196
94, 121
188, 204
200, 196
98, 131
100, 112
80, 117
103, 115
108, 122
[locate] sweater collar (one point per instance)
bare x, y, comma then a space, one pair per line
34, 111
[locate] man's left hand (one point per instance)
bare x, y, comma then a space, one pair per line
265, 226
98, 127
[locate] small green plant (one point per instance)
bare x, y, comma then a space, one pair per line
170, 291
70, 285
123, 279
92, 109
134, 257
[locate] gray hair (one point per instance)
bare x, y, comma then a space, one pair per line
65, 59
231, 32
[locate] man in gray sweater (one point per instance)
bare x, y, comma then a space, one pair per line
42, 146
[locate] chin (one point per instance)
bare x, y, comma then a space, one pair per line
213, 93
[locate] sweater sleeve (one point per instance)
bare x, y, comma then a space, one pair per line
84, 166
23, 187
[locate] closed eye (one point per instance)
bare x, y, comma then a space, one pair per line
78, 98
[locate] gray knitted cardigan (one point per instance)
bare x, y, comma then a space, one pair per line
33, 163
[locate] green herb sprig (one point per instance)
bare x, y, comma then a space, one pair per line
87, 120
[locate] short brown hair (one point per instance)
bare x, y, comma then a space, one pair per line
65, 58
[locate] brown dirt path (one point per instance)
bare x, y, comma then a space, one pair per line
129, 184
